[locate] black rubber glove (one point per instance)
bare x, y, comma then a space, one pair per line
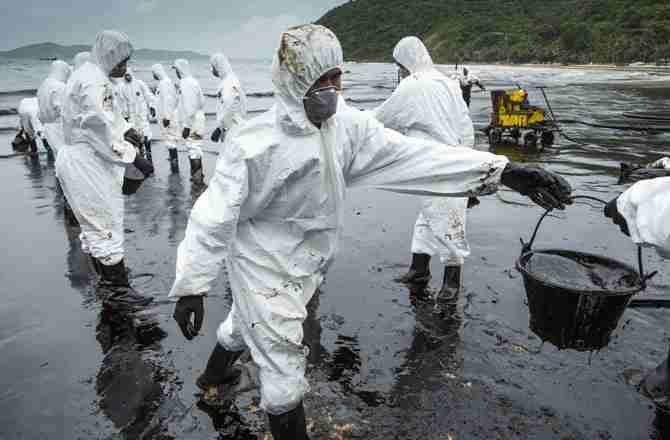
612, 211
152, 112
186, 133
216, 135
472, 202
166, 123
189, 314
133, 137
547, 189
145, 166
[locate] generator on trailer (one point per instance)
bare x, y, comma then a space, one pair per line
514, 119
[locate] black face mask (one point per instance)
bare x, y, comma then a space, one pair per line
321, 105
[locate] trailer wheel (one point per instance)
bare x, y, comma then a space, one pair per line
530, 140
495, 137
547, 138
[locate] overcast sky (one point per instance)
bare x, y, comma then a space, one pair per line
242, 28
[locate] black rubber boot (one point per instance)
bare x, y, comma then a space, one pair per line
656, 384
174, 160
197, 176
451, 285
33, 147
50, 151
290, 425
219, 368
116, 277
147, 149
96, 266
419, 270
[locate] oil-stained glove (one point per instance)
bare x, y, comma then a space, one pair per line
216, 135
166, 123
145, 166
133, 137
547, 189
612, 212
189, 314
186, 133
473, 202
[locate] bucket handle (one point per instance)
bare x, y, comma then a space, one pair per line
527, 247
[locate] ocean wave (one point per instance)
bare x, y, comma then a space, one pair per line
365, 100
24, 92
249, 95
261, 94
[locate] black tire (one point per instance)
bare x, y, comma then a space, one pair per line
495, 137
530, 140
547, 138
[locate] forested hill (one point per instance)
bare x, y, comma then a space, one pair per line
568, 31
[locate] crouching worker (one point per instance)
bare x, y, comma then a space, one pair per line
30, 129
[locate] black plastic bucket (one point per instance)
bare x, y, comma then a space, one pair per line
583, 319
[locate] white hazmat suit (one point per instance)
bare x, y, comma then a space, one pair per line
80, 59
134, 105
429, 105
272, 212
50, 96
92, 162
191, 108
29, 120
231, 101
646, 208
166, 106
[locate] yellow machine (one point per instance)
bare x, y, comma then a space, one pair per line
513, 117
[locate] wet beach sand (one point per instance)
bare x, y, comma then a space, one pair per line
383, 364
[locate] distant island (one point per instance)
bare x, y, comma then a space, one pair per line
512, 31
50, 51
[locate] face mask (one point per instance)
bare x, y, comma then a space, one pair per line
402, 74
320, 105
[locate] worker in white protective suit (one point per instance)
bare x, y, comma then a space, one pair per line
273, 212
50, 96
428, 105
191, 116
30, 126
643, 213
136, 108
99, 145
80, 59
166, 105
467, 81
231, 101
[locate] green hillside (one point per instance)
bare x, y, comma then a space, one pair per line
568, 31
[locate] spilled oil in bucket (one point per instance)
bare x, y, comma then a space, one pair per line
580, 272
